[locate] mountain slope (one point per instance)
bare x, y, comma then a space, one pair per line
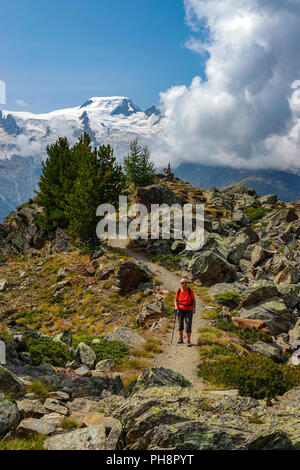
285, 185
24, 137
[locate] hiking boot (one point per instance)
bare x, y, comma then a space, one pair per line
180, 341
189, 344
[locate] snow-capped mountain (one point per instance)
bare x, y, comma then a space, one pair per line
24, 137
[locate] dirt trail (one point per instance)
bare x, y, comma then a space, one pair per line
177, 357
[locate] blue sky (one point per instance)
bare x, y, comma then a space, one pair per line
58, 54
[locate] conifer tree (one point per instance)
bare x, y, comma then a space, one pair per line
55, 183
138, 166
147, 173
74, 182
100, 180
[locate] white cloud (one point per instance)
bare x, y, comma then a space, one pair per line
21, 103
247, 111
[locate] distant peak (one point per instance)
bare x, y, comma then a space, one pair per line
87, 103
153, 110
126, 107
103, 100
115, 105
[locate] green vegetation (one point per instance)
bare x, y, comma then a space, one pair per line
40, 388
211, 313
115, 350
206, 351
55, 184
231, 300
138, 167
68, 423
169, 261
204, 405
74, 182
253, 375
44, 350
211, 337
33, 442
256, 213
250, 336
99, 180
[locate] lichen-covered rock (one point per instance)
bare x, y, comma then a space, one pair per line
157, 377
55, 406
210, 268
156, 194
294, 333
269, 200
290, 294
105, 365
150, 311
239, 246
289, 275
159, 247
130, 338
131, 274
266, 349
31, 408
33, 425
274, 312
105, 436
85, 355
9, 416
240, 218
259, 255
9, 383
258, 291
64, 337
173, 417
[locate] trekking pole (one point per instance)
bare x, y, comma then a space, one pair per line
174, 326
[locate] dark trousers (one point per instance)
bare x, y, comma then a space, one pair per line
185, 316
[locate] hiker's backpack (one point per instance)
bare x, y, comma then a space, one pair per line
190, 292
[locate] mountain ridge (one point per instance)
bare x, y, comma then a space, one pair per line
24, 136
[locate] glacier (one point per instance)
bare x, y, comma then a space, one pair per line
24, 137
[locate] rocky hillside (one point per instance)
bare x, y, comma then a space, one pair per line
286, 184
82, 330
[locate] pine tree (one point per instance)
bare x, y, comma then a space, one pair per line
55, 183
138, 166
100, 180
147, 173
74, 182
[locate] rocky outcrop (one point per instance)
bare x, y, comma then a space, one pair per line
125, 335
258, 291
270, 350
210, 268
106, 436
150, 311
33, 425
9, 416
156, 194
157, 377
9, 383
85, 355
274, 312
173, 417
19, 232
130, 274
